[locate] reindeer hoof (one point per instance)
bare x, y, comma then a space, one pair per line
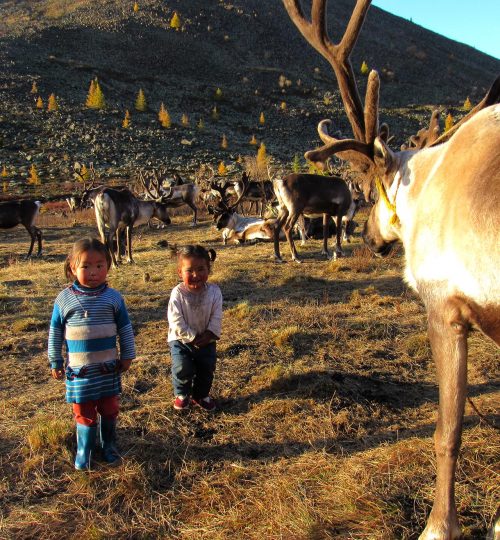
279, 260
297, 261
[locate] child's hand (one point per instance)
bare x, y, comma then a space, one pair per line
57, 373
124, 365
202, 340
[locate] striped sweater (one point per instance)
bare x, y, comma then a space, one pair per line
88, 321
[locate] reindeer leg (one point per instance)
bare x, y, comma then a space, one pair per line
288, 227
195, 214
338, 238
128, 231
31, 232
277, 228
39, 238
448, 337
108, 241
326, 222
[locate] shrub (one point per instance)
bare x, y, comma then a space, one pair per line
140, 102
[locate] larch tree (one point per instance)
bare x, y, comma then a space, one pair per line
140, 102
34, 88
448, 123
126, 120
262, 119
39, 103
253, 141
175, 21
215, 113
223, 143
52, 106
33, 178
467, 105
364, 68
185, 120
221, 169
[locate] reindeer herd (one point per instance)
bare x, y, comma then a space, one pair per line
439, 196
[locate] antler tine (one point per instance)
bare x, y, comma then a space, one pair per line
245, 182
148, 191
371, 107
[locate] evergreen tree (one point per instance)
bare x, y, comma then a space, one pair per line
296, 163
364, 68
175, 21
262, 118
4, 172
201, 124
262, 158
185, 120
448, 122
126, 120
34, 179
467, 105
39, 103
218, 94
34, 88
223, 143
95, 97
140, 102
52, 106
215, 114
136, 7
221, 169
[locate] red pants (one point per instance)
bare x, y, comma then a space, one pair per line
86, 413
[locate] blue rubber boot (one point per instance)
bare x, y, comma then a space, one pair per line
108, 441
85, 440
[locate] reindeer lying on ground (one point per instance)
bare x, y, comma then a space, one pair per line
118, 210
442, 200
22, 212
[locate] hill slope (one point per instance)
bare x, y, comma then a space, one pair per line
241, 47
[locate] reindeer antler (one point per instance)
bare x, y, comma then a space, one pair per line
154, 189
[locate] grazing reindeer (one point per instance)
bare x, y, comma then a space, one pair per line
257, 192
22, 212
116, 210
310, 194
178, 194
442, 200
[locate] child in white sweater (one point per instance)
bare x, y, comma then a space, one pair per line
194, 319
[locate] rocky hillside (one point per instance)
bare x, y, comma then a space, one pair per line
241, 47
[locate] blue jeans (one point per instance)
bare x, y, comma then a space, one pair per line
192, 369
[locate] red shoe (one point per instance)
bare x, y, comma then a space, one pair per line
206, 403
181, 403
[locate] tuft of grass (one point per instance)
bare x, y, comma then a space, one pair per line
25, 325
417, 346
284, 338
49, 435
240, 312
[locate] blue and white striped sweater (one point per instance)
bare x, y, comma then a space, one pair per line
90, 341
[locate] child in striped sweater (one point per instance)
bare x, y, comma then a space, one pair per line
88, 316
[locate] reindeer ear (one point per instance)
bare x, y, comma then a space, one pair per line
212, 254
383, 156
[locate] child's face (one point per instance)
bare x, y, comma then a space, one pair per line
91, 270
193, 272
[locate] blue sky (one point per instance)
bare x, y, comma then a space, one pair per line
475, 23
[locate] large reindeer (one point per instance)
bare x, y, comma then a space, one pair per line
23, 212
178, 193
306, 194
442, 200
116, 210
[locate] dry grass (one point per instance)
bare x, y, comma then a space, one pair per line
327, 404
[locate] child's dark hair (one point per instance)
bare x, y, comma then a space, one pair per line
199, 252
82, 246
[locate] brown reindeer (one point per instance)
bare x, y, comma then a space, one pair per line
442, 200
22, 212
